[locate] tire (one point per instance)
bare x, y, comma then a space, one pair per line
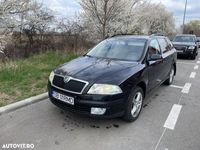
134, 104
194, 55
170, 80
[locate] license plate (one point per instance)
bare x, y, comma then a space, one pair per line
63, 98
179, 51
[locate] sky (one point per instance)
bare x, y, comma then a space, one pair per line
68, 8
177, 8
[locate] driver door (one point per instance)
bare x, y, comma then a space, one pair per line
154, 66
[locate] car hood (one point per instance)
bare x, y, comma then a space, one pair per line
100, 70
184, 43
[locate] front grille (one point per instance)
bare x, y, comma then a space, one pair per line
180, 47
73, 85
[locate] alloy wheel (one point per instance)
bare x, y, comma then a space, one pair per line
171, 75
136, 104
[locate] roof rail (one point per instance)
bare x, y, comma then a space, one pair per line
157, 34
121, 34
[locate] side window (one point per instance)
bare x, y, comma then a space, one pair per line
163, 44
154, 48
169, 43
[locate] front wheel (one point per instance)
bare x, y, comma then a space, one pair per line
170, 80
194, 56
134, 104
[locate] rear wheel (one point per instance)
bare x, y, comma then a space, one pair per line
170, 80
134, 104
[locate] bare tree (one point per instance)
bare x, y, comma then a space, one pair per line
156, 19
10, 11
27, 17
127, 16
102, 12
71, 30
36, 20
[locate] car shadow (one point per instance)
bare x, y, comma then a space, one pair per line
72, 121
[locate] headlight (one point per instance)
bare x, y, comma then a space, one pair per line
51, 76
191, 47
105, 89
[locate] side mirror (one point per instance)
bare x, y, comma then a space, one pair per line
198, 41
154, 57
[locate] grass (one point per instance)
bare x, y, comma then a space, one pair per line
28, 77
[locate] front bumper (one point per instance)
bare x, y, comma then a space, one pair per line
188, 52
115, 105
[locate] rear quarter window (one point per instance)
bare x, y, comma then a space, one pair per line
169, 43
163, 45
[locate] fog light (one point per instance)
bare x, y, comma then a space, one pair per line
98, 111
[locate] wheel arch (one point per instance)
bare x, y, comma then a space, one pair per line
142, 85
174, 64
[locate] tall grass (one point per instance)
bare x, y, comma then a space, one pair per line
28, 77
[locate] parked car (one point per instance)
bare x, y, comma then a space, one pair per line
186, 44
114, 77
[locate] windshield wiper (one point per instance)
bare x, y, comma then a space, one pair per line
87, 55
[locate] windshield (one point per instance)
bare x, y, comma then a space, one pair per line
124, 49
184, 39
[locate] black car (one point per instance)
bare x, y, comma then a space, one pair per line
114, 77
186, 44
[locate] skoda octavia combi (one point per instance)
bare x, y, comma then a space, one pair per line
114, 77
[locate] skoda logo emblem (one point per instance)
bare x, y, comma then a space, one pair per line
66, 79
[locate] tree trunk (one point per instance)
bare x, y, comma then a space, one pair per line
103, 31
105, 19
